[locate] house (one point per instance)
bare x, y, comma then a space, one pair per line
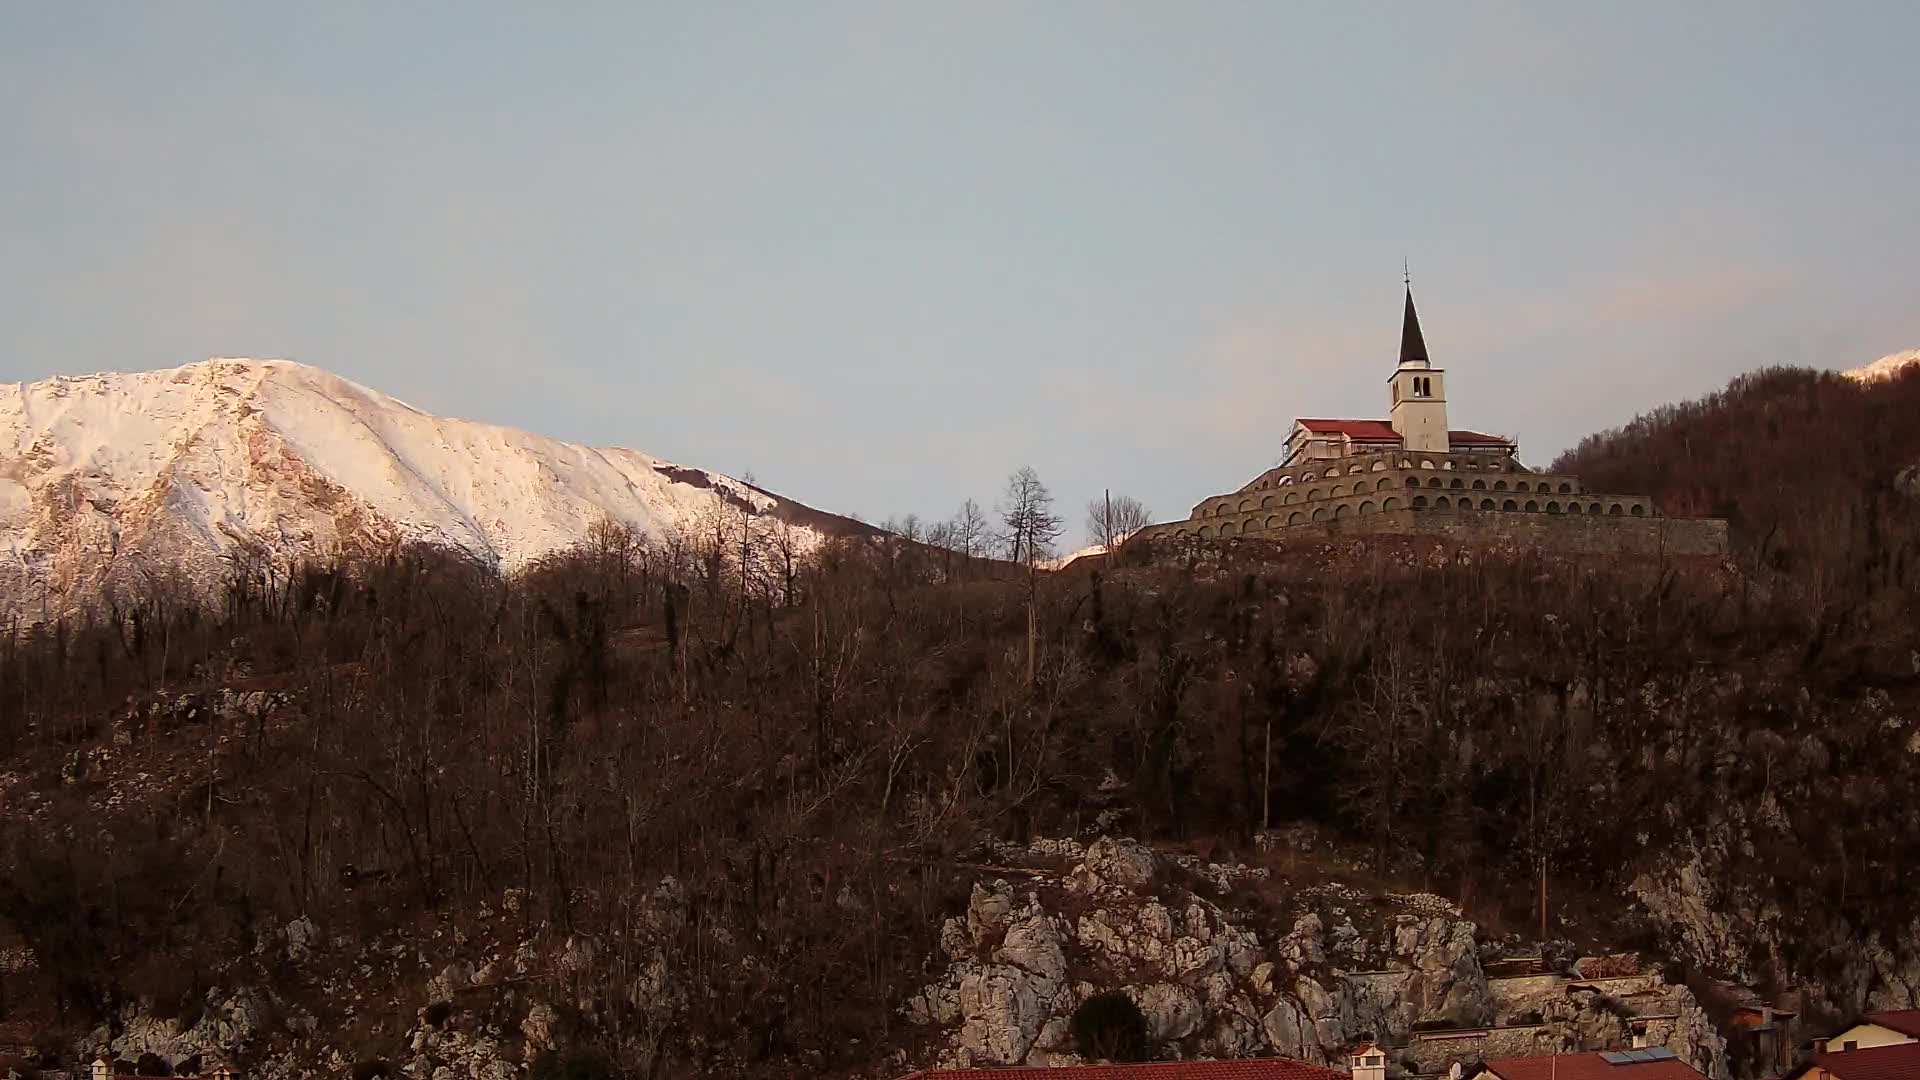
1656, 1063
1771, 1030
1886, 1028
1893, 1061
1238, 1069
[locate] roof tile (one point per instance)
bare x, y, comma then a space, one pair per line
1588, 1066
1241, 1069
1901, 1061
1904, 1021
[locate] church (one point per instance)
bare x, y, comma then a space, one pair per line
1413, 474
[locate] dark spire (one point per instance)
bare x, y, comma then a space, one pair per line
1413, 347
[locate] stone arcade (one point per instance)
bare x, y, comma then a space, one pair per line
1413, 475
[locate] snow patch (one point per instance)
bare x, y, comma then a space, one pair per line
175, 464
1886, 367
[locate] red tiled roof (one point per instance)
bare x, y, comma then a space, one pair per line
1904, 1021
1354, 429
1588, 1067
1382, 431
1243, 1069
1472, 437
1900, 1061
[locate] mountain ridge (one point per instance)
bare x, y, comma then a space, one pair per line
115, 473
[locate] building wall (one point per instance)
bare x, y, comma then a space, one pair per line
1421, 422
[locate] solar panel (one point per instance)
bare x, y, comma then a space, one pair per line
1658, 1053
1615, 1058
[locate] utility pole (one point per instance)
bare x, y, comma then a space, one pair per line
1543, 900
1266, 781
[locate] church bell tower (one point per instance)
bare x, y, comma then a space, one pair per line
1419, 391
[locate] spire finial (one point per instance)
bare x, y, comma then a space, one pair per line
1406, 271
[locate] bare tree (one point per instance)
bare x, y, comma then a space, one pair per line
1026, 510
1026, 514
1113, 518
967, 532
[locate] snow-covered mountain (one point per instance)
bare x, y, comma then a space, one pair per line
109, 477
1886, 367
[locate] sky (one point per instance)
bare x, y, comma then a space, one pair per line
879, 255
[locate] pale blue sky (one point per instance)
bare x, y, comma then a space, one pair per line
880, 254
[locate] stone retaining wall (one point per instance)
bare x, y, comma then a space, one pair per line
1599, 534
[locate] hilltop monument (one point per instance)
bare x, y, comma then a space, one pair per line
1412, 474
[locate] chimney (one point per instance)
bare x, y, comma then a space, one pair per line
1369, 1062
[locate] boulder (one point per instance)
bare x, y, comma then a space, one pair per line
1032, 944
1001, 1014
1290, 1033
988, 910
1122, 862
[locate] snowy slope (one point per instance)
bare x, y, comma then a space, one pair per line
102, 475
1886, 367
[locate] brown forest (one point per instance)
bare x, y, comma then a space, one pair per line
814, 747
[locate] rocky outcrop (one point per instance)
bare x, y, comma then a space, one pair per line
1344, 967
1717, 918
229, 1022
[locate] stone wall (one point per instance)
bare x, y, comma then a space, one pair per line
1597, 534
1510, 994
1461, 495
1433, 1053
1585, 533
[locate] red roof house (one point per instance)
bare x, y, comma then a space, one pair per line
1655, 1064
1241, 1069
1904, 1021
1900, 1061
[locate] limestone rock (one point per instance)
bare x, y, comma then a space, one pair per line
300, 935
1290, 1033
987, 911
1449, 983
538, 1028
454, 977
1001, 1014
1234, 1035
1304, 945
1172, 1011
1032, 944
1123, 862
